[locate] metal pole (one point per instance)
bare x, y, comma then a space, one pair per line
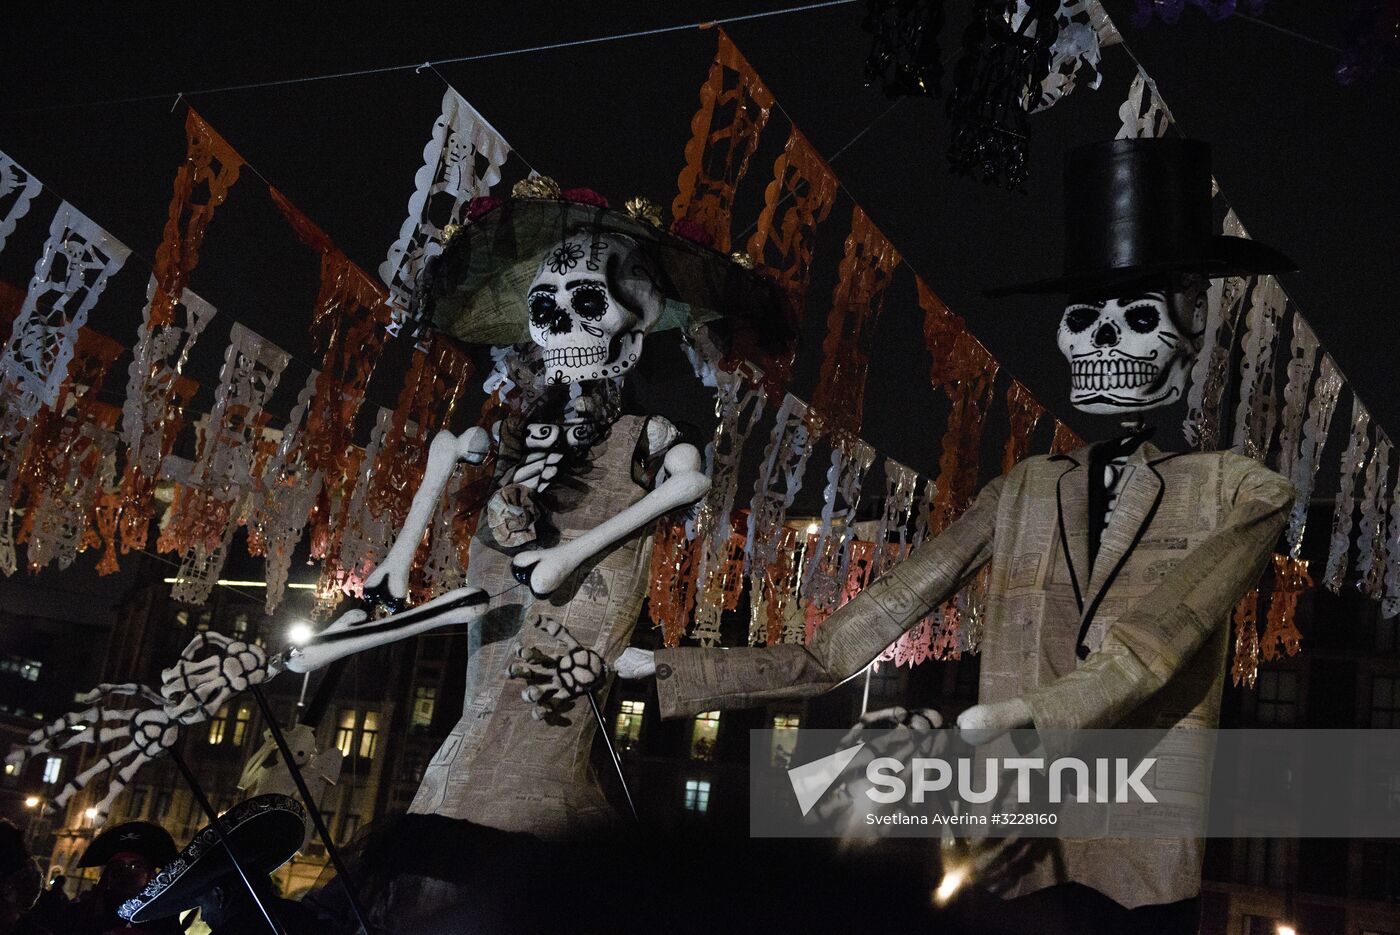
208, 808
612, 752
865, 694
316, 819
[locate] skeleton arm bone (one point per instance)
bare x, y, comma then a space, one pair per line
444, 452
682, 481
355, 632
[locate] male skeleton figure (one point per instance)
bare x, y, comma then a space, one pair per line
1113, 568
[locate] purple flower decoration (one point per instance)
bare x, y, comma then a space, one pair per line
1169, 11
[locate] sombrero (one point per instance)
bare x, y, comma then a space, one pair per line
475, 290
264, 832
1139, 209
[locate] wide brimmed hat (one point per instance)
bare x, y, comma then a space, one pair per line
476, 289
1140, 209
133, 837
264, 832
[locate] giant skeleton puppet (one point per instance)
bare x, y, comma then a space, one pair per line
563, 548
1113, 568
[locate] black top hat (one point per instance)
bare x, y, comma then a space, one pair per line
1138, 209
264, 832
136, 837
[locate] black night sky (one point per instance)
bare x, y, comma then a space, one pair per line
1310, 167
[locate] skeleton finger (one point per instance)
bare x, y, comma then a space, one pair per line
530, 670
120, 780
535, 654
107, 689
557, 630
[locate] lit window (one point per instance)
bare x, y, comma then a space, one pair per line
52, 767
702, 735
345, 734
424, 700
203, 622
349, 826
369, 735
784, 738
240, 624
217, 724
240, 724
138, 802
182, 619
697, 796
629, 724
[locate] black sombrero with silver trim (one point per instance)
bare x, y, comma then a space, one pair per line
264, 831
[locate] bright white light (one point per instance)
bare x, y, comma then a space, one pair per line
948, 887
813, 528
31, 802
1285, 929
299, 633
231, 583
90, 813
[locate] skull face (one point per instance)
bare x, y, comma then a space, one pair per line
592, 302
1132, 353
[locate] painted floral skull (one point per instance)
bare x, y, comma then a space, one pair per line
1132, 352
591, 304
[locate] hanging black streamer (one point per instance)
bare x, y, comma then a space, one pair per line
991, 80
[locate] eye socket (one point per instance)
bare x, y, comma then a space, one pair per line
543, 308
1080, 317
1142, 318
590, 301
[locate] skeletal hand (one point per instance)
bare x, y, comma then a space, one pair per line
635, 663
556, 679
543, 570
146, 727
196, 687
902, 733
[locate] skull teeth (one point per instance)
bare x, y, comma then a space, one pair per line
1112, 374
574, 356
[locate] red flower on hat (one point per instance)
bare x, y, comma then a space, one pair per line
583, 196
693, 231
482, 205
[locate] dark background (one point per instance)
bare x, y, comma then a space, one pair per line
1308, 165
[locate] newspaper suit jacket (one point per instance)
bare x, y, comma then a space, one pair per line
1137, 640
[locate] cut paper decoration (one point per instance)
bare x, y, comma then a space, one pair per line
461, 161
734, 109
77, 260
18, 189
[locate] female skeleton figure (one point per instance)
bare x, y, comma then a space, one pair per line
557, 569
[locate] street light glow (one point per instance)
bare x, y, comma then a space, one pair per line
299, 633
31, 802
948, 887
89, 813
1285, 929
